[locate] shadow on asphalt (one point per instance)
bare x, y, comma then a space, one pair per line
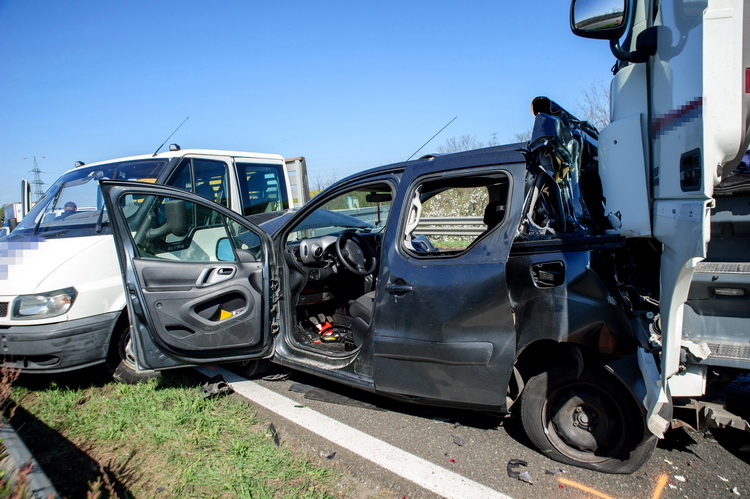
360, 398
735, 441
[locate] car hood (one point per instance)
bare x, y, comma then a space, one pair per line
26, 263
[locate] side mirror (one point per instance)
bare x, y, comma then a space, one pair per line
224, 250
601, 19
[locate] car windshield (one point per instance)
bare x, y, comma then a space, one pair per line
363, 209
74, 207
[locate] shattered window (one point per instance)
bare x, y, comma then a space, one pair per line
448, 214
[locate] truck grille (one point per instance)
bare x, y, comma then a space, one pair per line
735, 351
3, 308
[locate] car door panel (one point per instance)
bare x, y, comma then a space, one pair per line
191, 315
443, 324
186, 306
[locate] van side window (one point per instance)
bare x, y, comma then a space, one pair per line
446, 215
205, 177
262, 188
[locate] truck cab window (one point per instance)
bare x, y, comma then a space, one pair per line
262, 188
205, 177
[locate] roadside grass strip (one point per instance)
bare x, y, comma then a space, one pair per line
162, 439
420, 471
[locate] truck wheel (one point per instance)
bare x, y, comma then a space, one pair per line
121, 361
588, 420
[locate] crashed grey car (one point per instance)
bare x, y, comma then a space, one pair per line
483, 279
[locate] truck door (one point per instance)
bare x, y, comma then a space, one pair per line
198, 278
443, 325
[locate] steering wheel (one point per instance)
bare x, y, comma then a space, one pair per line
351, 256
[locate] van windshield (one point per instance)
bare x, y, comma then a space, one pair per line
73, 206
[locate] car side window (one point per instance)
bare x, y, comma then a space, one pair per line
446, 215
168, 228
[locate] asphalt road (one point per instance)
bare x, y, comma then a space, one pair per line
686, 464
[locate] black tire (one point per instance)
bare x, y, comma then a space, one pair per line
590, 421
120, 359
252, 368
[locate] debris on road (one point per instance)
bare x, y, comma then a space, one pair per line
554, 471
300, 388
679, 478
313, 393
215, 387
459, 440
513, 472
277, 376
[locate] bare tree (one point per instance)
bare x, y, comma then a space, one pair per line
466, 143
524, 136
320, 182
594, 104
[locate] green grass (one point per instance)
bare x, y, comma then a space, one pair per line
163, 438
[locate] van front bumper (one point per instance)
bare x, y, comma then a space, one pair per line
58, 347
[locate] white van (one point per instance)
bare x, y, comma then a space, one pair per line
62, 305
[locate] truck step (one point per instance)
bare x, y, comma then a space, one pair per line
736, 351
723, 267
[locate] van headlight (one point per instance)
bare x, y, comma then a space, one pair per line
43, 305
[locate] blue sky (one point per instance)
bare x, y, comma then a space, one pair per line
348, 85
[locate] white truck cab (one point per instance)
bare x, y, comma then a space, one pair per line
62, 305
680, 123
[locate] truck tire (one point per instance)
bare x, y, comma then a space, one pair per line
120, 360
589, 421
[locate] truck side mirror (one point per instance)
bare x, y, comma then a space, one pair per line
601, 19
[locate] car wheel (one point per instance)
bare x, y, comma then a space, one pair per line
121, 360
587, 420
252, 368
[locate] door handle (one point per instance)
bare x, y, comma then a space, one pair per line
213, 275
548, 274
399, 287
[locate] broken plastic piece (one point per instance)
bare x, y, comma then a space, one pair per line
513, 472
214, 387
699, 350
277, 376
679, 478
459, 440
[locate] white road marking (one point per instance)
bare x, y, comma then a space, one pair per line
420, 471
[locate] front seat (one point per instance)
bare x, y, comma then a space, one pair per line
361, 311
494, 213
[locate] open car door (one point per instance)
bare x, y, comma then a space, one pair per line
199, 280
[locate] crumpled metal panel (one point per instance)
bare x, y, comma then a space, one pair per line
563, 190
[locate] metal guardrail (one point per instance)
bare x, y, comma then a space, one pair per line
451, 226
435, 226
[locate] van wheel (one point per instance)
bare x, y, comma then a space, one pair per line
588, 420
121, 360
